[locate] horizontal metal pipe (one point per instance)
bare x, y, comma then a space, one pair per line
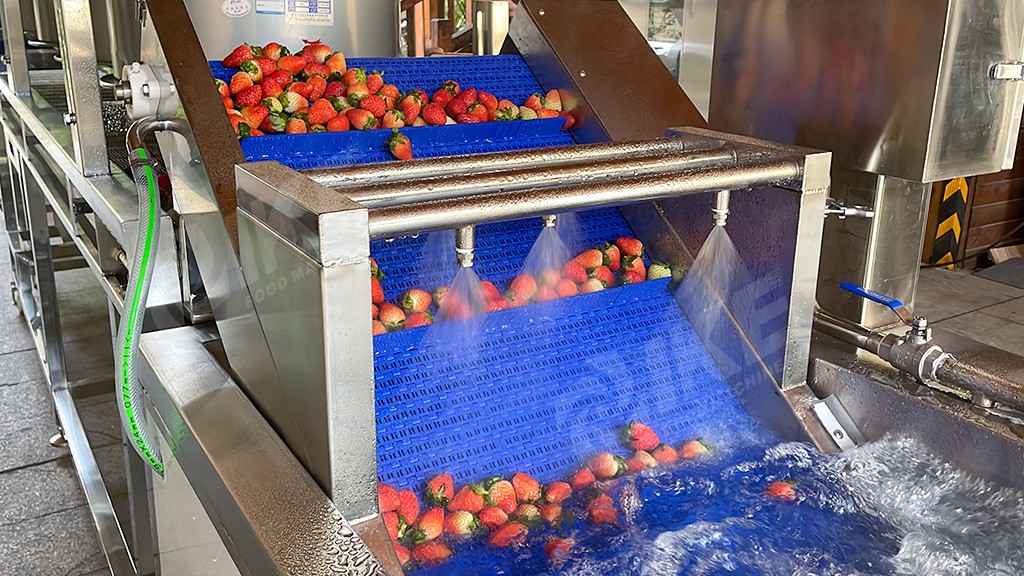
503, 206
847, 331
993, 387
452, 165
395, 193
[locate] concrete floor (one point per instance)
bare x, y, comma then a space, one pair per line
45, 525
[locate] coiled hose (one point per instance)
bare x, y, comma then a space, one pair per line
133, 416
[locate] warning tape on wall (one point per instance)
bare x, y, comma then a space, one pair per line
952, 214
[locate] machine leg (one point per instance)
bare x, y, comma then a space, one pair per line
140, 504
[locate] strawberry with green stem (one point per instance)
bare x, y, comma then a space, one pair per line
400, 146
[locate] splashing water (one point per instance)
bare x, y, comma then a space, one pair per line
548, 253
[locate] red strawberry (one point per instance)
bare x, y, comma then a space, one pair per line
469, 499
487, 100
549, 277
296, 126
267, 66
334, 89
479, 112
316, 51
523, 286
317, 86
429, 526
356, 93
533, 102
242, 128
591, 285
581, 479
566, 288
456, 107
611, 257
400, 146
229, 104
693, 449
431, 553
602, 510
391, 91
570, 120
237, 56
354, 76
321, 112
545, 294
304, 89
408, 507
489, 290
497, 304
605, 466
509, 534
374, 104
255, 132
403, 554
339, 123
467, 96
640, 437
558, 549
590, 259
396, 529
273, 50
292, 64
391, 316
442, 98
240, 81
376, 291
552, 101
517, 301
434, 115
410, 108
527, 514
645, 457
466, 119
633, 466
393, 119
417, 300
271, 89
375, 310
630, 246
784, 490
550, 512
378, 328
361, 119
492, 517
527, 489
461, 524
222, 88
375, 81
665, 454
282, 77
255, 115
387, 497
503, 495
418, 319
544, 113
557, 492
337, 63
421, 96
452, 87
633, 270
605, 275
575, 272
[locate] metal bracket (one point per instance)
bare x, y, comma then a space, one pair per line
842, 211
840, 426
1012, 71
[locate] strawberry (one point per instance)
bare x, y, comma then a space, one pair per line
439, 294
317, 86
549, 277
456, 107
400, 146
375, 81
552, 101
503, 495
256, 132
339, 123
533, 102
602, 510
267, 65
417, 300
527, 113
393, 119
421, 96
524, 286
251, 96
487, 100
452, 87
242, 128
469, 499
429, 526
527, 489
408, 507
272, 103
545, 113
292, 102
418, 319
558, 549
784, 490
610, 256
340, 103
334, 89
396, 528
645, 457
222, 88
581, 479
492, 517
282, 77
527, 514
356, 93
237, 56
240, 81
376, 291
387, 497
506, 111
375, 269
440, 489
389, 102
512, 533
605, 275
304, 89
321, 112
633, 466
497, 304
442, 98
361, 119
545, 294
590, 259
402, 553
431, 553
410, 107
273, 50
630, 246
566, 288
489, 290
693, 449
640, 437
354, 76
391, 91
605, 466
591, 285
517, 301
467, 96
375, 310
378, 328
461, 524
557, 492
479, 112
336, 62
633, 270
255, 115
374, 105
575, 272
229, 104
316, 51
275, 122
665, 454
550, 512
271, 89
293, 64
434, 115
391, 316
659, 270
466, 119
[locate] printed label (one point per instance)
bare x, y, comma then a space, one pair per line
309, 12
270, 6
236, 8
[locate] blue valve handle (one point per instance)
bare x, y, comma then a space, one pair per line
888, 301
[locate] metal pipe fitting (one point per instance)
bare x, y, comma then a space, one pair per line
143, 127
503, 206
465, 242
549, 221
721, 209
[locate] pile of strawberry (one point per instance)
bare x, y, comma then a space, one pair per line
276, 92
615, 263
506, 511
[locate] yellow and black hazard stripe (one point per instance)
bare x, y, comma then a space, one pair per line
951, 218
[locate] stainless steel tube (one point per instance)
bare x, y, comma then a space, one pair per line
395, 193
1006, 392
142, 127
503, 206
847, 331
452, 165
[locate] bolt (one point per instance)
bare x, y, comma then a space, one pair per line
583, 73
540, 12
145, 89
70, 118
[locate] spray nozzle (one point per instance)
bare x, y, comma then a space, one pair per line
465, 240
549, 221
721, 209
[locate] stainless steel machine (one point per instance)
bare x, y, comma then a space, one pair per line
257, 359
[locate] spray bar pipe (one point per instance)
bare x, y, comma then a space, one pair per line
395, 193
372, 174
503, 206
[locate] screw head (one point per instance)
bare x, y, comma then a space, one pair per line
70, 118
540, 12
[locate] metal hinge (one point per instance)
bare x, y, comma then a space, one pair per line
1012, 71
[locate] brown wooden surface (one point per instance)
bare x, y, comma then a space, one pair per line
997, 206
